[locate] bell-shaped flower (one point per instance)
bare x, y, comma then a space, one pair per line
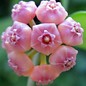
24, 11
17, 37
51, 12
20, 63
71, 32
44, 74
45, 38
64, 58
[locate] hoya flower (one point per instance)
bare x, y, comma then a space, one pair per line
44, 74
45, 38
20, 63
24, 11
51, 12
63, 58
17, 37
28, 47
71, 32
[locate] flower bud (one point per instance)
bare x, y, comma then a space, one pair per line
71, 32
45, 38
24, 11
63, 58
20, 63
51, 12
17, 37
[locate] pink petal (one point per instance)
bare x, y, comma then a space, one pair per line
24, 11
20, 63
63, 58
41, 33
51, 12
17, 37
71, 32
44, 74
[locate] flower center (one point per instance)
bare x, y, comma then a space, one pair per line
13, 37
76, 28
69, 62
52, 5
46, 39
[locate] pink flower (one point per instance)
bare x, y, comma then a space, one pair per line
71, 32
44, 74
17, 37
51, 12
20, 63
24, 11
63, 58
45, 38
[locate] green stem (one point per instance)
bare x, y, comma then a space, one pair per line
30, 82
32, 53
42, 59
35, 60
32, 23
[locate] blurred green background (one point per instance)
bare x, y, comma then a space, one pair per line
74, 77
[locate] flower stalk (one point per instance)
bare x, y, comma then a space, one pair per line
32, 23
30, 82
42, 59
32, 53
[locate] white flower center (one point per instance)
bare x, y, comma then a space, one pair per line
47, 39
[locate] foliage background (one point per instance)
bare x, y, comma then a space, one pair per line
74, 77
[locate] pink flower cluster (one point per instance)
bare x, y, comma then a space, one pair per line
54, 37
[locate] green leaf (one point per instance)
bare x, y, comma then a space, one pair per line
81, 17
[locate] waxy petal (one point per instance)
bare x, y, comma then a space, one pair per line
51, 12
17, 37
24, 11
64, 58
45, 38
20, 63
71, 32
44, 74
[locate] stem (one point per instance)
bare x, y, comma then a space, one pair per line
42, 59
35, 61
32, 23
30, 82
32, 53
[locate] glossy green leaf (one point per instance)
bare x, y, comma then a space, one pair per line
81, 17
